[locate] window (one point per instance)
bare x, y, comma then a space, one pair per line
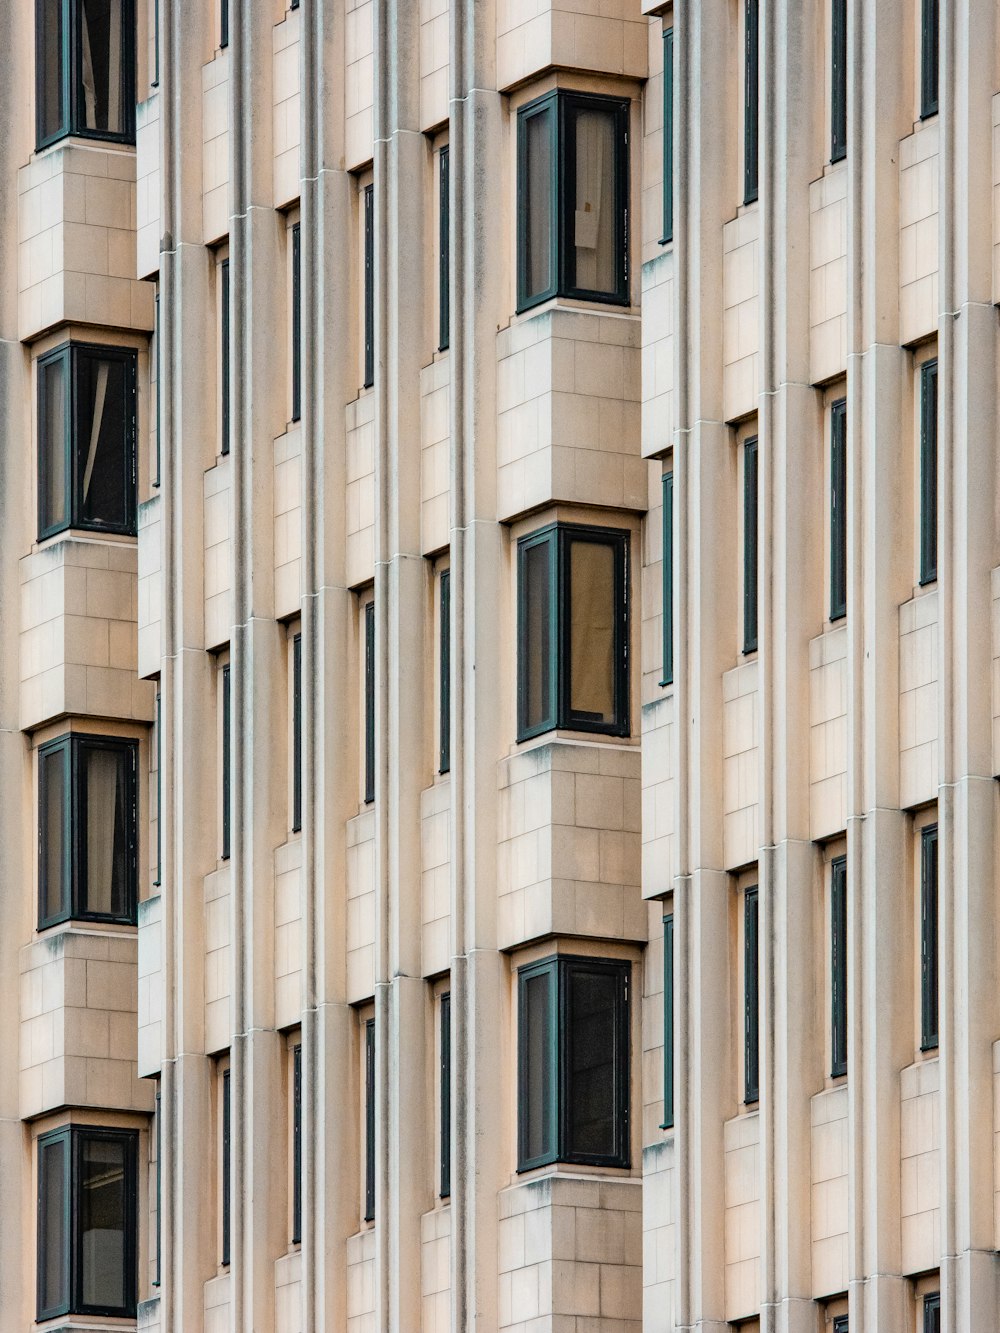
668, 579
155, 369
223, 24
227, 1168
841, 1324
573, 627
87, 1222
750, 546
444, 650
932, 1313
751, 999
369, 259
838, 967
929, 938
838, 83
838, 509
158, 794
572, 217
296, 322
751, 80
224, 355
573, 1062
369, 702
444, 244
444, 1188
155, 81
87, 440
296, 733
85, 70
928, 58
370, 1120
668, 1022
87, 866
227, 761
668, 136
928, 471
297, 1143
158, 1115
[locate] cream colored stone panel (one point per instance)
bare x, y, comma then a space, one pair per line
150, 993
658, 293
828, 275
361, 1282
435, 455
435, 1271
361, 490
828, 1137
218, 959
659, 1237
434, 62
533, 35
217, 1297
920, 1184
659, 784
740, 759
359, 82
288, 1293
218, 554
147, 186
741, 315
287, 110
361, 907
288, 986
918, 699
150, 587
288, 523
828, 733
435, 877
743, 1215
918, 232
215, 201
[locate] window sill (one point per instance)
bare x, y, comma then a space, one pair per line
90, 535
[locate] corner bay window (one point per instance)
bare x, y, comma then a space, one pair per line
87, 830
85, 70
573, 629
87, 440
573, 1062
572, 217
87, 1222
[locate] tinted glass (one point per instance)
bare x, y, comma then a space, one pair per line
105, 441
105, 812
51, 109
102, 34
52, 398
54, 820
53, 1238
591, 1092
536, 634
102, 1213
594, 243
592, 631
536, 1073
537, 202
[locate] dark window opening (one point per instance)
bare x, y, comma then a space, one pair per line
668, 1023
668, 136
668, 579
224, 354
932, 1313
297, 733
929, 23
158, 1102
444, 260
838, 81
158, 795
227, 761
369, 259
370, 1120
297, 1143
928, 471
296, 322
156, 372
838, 967
444, 702
751, 91
444, 1188
751, 999
929, 938
85, 70
227, 1168
838, 509
223, 24
369, 702
750, 557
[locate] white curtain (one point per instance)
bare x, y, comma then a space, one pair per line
109, 65
102, 809
95, 429
89, 87
594, 231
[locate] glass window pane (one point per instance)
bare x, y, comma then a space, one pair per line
102, 1212
537, 202
591, 1090
592, 631
51, 107
53, 1238
105, 441
52, 444
54, 818
536, 635
594, 238
104, 773
538, 1092
101, 65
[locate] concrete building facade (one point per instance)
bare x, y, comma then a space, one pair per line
500, 689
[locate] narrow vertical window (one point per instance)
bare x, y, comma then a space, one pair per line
159, 1182
227, 761
296, 322
929, 938
537, 1066
841, 1324
751, 999
227, 1167
445, 1186
444, 245
369, 702
158, 794
444, 698
223, 23
928, 471
750, 546
751, 85
156, 44
369, 260
668, 1022
370, 1120
929, 15
668, 136
297, 1143
156, 372
838, 967
224, 351
838, 80
838, 509
54, 1211
932, 1313
668, 579
297, 733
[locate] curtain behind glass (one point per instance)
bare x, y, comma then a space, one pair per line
104, 776
53, 407
594, 221
102, 443
51, 108
592, 1064
101, 65
536, 644
102, 1214
55, 796
53, 1266
592, 631
538, 133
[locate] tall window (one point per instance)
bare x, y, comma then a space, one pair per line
751, 91
838, 509
296, 321
158, 793
668, 1022
227, 761
929, 938
87, 868
444, 244
444, 1188
928, 471
370, 1120
87, 440
573, 626
929, 18
223, 23
838, 80
296, 733
751, 999
444, 652
369, 279
87, 1222
668, 136
750, 546
573, 1062
227, 1168
224, 355
668, 579
297, 1143
85, 70
838, 967
572, 216
932, 1313
155, 81
158, 1117
155, 367
369, 702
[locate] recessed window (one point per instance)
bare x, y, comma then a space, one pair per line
841, 1324
224, 352
154, 359
572, 223
573, 628
87, 830
929, 938
87, 1222
158, 1147
85, 70
668, 136
87, 440
227, 762
573, 1062
296, 321
668, 1022
296, 733
751, 998
928, 471
751, 87
158, 788
369, 284
838, 80
444, 687
668, 579
370, 1120
369, 702
932, 1313
444, 245
750, 546
223, 23
838, 967
226, 1172
297, 1143
929, 24
444, 1188
838, 509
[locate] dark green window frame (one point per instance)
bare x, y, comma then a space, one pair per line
932, 1313
668, 579
838, 81
67, 76
227, 1168
444, 697
155, 82
444, 245
556, 655
157, 366
297, 1143
227, 761
296, 733
158, 794
370, 1120
561, 108
64, 1214
668, 136
929, 57
369, 702
224, 341
369, 285
929, 995
444, 1187
223, 24
838, 509
68, 753
838, 967
841, 1324
928, 471
668, 1022
158, 1114
548, 1089
750, 545
67, 457
751, 99
751, 997
296, 321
